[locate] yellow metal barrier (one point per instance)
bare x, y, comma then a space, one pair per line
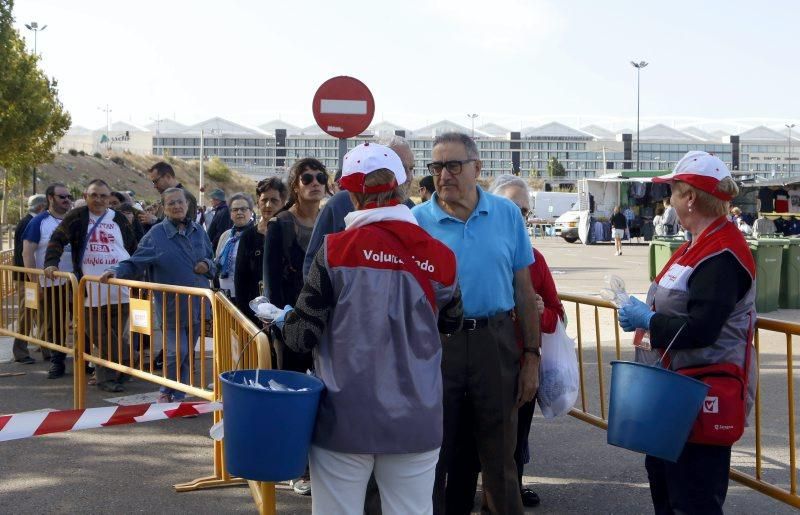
592, 369
236, 340
39, 311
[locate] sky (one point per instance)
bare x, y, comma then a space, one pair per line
713, 64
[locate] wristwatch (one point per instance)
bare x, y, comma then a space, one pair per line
533, 350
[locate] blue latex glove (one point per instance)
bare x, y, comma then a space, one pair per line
635, 315
281, 320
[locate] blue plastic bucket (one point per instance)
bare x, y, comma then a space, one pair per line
267, 433
652, 410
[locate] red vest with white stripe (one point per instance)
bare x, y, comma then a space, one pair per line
669, 295
380, 357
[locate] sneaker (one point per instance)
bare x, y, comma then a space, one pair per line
27, 360
164, 398
55, 372
301, 486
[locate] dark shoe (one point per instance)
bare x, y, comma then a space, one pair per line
56, 372
158, 363
111, 386
529, 498
27, 360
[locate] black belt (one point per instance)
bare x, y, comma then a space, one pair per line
472, 324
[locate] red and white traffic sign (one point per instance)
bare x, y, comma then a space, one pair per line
343, 107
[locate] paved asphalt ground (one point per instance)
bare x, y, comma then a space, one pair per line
130, 469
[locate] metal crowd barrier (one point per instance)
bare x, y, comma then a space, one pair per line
762, 450
237, 341
42, 315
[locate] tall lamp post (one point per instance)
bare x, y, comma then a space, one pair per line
790, 126
35, 28
472, 117
638, 66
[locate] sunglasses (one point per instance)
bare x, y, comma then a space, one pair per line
65, 197
321, 178
525, 212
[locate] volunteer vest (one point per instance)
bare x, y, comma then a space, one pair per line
669, 295
380, 357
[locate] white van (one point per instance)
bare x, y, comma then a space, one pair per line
549, 205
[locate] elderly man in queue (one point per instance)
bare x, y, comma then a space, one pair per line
162, 175
481, 362
97, 236
36, 205
175, 251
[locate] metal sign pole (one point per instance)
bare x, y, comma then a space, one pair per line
342, 151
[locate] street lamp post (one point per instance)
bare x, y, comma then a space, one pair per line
472, 117
790, 126
107, 110
33, 26
638, 66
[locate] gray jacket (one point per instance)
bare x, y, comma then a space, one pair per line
375, 300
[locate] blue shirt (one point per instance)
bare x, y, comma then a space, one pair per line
489, 247
169, 257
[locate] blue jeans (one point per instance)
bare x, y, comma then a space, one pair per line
170, 354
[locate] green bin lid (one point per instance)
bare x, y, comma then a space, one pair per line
768, 242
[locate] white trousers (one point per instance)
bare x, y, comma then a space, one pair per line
339, 481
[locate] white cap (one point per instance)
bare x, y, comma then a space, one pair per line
365, 159
700, 169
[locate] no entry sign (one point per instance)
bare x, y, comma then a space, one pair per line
343, 107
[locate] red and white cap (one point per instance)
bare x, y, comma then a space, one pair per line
700, 169
365, 159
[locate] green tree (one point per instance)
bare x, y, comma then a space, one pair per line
32, 119
555, 168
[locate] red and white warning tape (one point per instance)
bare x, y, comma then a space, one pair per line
36, 423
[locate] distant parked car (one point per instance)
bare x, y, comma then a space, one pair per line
566, 225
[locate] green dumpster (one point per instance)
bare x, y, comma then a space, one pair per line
790, 275
661, 250
768, 254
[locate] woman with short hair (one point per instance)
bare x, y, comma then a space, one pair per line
271, 194
703, 300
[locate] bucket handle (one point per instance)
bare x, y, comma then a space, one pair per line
660, 363
242, 351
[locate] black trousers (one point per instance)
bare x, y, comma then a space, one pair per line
480, 372
696, 484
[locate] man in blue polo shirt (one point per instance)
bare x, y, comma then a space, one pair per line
482, 377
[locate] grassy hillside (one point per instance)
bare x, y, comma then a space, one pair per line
127, 172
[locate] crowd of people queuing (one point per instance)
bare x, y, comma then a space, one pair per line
423, 321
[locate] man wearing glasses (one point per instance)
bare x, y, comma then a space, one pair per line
162, 175
34, 244
483, 382
97, 237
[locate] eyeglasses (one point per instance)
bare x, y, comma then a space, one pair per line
239, 209
65, 197
321, 177
155, 181
525, 211
453, 167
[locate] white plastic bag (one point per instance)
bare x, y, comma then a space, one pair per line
558, 373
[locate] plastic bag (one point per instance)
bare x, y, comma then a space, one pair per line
264, 310
558, 373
